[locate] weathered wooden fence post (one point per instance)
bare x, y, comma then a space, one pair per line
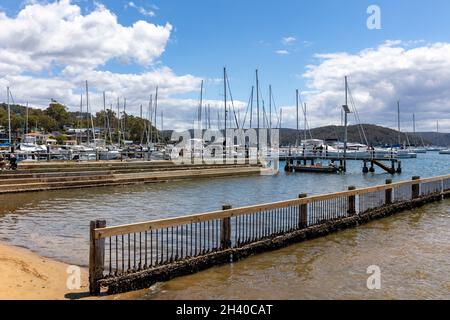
388, 194
415, 191
225, 230
96, 257
303, 213
351, 202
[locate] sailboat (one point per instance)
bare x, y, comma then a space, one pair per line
418, 149
403, 152
435, 148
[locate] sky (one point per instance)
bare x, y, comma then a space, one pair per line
48, 49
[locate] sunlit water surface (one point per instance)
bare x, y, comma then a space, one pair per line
56, 223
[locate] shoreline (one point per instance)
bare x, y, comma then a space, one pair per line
24, 275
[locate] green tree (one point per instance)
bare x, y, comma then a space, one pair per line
58, 113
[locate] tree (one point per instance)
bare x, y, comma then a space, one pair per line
59, 113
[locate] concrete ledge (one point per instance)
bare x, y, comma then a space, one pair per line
58, 183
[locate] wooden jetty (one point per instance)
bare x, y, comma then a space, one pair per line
393, 165
136, 256
43, 176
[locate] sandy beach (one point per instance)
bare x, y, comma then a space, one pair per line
27, 276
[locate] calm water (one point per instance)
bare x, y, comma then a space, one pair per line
56, 223
411, 250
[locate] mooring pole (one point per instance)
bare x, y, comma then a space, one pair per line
96, 257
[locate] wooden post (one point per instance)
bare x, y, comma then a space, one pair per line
96, 257
351, 202
225, 230
415, 192
303, 213
388, 194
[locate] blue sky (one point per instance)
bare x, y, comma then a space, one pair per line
245, 35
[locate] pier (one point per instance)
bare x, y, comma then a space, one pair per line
136, 256
388, 164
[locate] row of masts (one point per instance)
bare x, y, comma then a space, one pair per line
408, 142
149, 134
230, 118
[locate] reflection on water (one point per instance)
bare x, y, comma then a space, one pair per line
55, 224
411, 249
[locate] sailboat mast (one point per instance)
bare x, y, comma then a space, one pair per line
87, 110
296, 108
124, 127
225, 98
346, 125
200, 107
156, 113
270, 106
399, 125
257, 110
150, 129
104, 115
118, 120
209, 116
281, 117
80, 122
162, 122
26, 124
305, 125
251, 107
9, 116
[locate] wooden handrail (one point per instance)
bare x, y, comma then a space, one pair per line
196, 218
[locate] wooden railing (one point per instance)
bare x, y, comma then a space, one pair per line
120, 251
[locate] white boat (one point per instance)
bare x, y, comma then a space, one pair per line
447, 151
419, 150
29, 145
406, 154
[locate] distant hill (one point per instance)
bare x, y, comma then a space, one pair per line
376, 135
437, 139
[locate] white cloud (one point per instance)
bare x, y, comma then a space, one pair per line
282, 52
49, 49
59, 34
142, 10
378, 77
288, 40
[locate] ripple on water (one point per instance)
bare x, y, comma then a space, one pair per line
56, 224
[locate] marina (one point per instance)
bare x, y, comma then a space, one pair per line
197, 150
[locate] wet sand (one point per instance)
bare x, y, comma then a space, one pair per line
27, 276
